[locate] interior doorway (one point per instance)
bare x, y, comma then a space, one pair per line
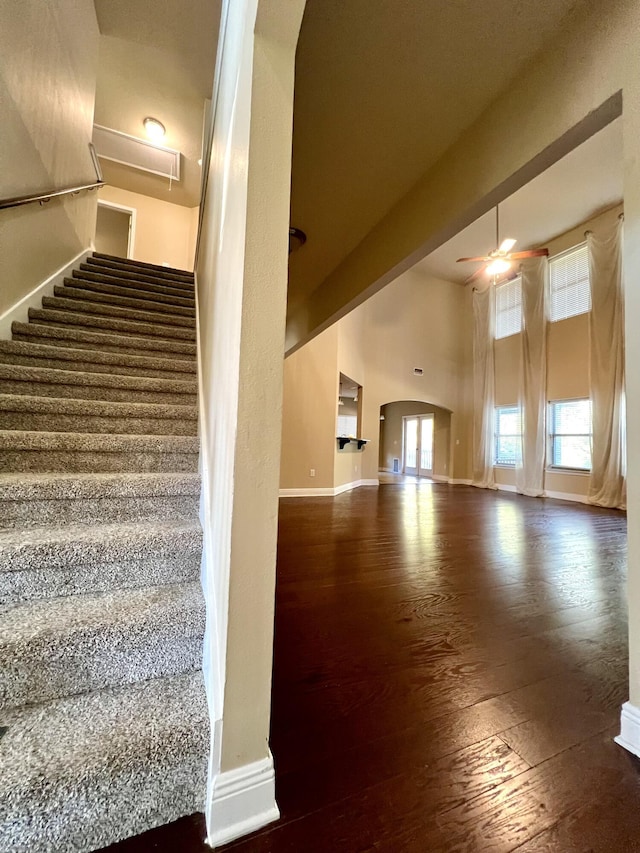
115, 229
417, 445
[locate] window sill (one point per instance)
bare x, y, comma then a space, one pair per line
580, 472
508, 465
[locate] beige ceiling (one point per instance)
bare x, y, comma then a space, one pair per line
157, 58
585, 182
383, 88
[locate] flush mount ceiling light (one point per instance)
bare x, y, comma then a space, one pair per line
154, 128
297, 238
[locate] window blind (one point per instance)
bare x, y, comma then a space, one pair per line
569, 278
509, 308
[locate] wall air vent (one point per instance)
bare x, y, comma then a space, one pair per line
418, 371
137, 153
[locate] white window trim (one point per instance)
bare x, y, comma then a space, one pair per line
565, 469
496, 464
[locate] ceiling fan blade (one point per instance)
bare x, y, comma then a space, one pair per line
533, 253
507, 245
464, 260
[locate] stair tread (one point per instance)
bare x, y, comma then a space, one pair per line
103, 408
108, 273
165, 309
52, 375
138, 290
97, 442
142, 749
20, 487
118, 611
52, 353
137, 328
12, 542
104, 338
86, 306
103, 256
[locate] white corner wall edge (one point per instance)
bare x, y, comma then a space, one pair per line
244, 800
629, 736
327, 492
20, 311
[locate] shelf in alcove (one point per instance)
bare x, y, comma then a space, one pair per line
343, 440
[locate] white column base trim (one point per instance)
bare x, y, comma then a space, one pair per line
244, 800
629, 736
328, 492
20, 311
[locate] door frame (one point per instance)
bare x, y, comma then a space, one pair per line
132, 211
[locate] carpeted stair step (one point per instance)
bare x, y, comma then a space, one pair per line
94, 361
126, 301
140, 266
104, 275
26, 451
90, 322
49, 382
83, 772
74, 337
139, 290
76, 559
65, 646
59, 414
123, 273
36, 500
85, 306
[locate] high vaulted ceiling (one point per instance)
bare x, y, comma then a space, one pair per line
383, 89
157, 57
582, 184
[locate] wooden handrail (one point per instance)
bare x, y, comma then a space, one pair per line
42, 198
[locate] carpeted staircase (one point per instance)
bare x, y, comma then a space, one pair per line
104, 730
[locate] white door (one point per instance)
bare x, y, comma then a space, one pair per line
410, 446
114, 230
426, 446
418, 446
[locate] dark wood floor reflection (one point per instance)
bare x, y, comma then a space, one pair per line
449, 669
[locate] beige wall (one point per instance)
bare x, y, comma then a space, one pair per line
165, 232
309, 414
391, 434
417, 321
48, 54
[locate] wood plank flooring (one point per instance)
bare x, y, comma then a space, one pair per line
449, 669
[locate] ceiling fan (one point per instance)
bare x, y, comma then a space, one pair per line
500, 260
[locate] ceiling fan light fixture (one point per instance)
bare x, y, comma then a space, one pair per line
507, 245
498, 266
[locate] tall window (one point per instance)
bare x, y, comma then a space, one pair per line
569, 279
570, 436
509, 308
508, 435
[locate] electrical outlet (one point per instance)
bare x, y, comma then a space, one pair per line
312, 472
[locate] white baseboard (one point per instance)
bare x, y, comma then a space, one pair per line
243, 801
505, 487
439, 478
20, 311
329, 492
460, 482
307, 493
629, 736
565, 496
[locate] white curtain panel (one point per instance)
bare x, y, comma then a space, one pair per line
533, 378
607, 486
483, 388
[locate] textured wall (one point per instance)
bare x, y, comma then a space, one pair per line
48, 56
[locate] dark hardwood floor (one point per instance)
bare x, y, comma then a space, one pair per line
449, 669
